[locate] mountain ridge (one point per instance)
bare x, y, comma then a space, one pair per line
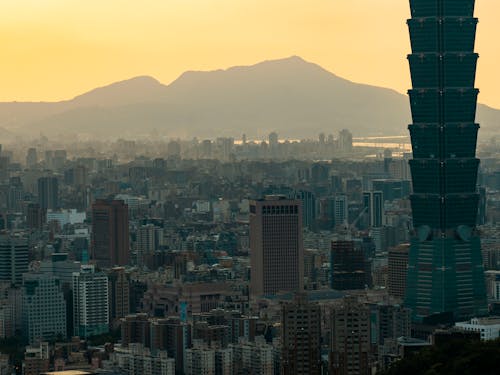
295, 97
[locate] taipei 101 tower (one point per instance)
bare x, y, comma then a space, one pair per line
445, 272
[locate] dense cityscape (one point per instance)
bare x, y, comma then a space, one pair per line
119, 263
336, 254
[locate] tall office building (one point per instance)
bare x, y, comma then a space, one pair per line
349, 266
110, 233
90, 302
397, 270
48, 193
14, 258
308, 200
301, 337
373, 204
44, 308
277, 250
445, 272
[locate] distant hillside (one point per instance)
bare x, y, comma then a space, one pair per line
291, 96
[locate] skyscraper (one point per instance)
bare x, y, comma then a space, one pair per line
48, 193
373, 203
445, 272
110, 233
277, 251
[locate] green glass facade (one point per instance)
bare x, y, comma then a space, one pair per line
445, 271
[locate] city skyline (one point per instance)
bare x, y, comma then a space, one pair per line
77, 47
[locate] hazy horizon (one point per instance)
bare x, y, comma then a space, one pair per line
57, 51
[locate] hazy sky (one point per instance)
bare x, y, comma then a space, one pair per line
56, 49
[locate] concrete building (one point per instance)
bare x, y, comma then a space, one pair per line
489, 328
350, 343
301, 337
119, 293
174, 336
256, 357
277, 252
200, 361
350, 268
44, 308
397, 270
493, 285
48, 193
138, 360
90, 302
110, 233
13, 258
36, 359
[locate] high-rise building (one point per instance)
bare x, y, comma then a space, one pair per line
119, 293
397, 270
445, 274
350, 347
31, 158
373, 203
149, 239
389, 321
90, 302
345, 141
110, 233
301, 337
308, 200
277, 251
35, 217
48, 193
350, 268
136, 328
174, 336
44, 308
14, 251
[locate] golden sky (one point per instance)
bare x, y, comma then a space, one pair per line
56, 49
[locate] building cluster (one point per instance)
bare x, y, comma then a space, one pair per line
223, 257
209, 267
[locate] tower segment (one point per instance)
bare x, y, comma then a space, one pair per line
445, 273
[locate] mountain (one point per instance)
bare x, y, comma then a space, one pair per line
296, 98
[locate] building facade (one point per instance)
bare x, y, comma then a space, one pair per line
110, 233
301, 337
277, 251
48, 193
350, 340
350, 268
14, 251
90, 302
44, 308
445, 274
398, 270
